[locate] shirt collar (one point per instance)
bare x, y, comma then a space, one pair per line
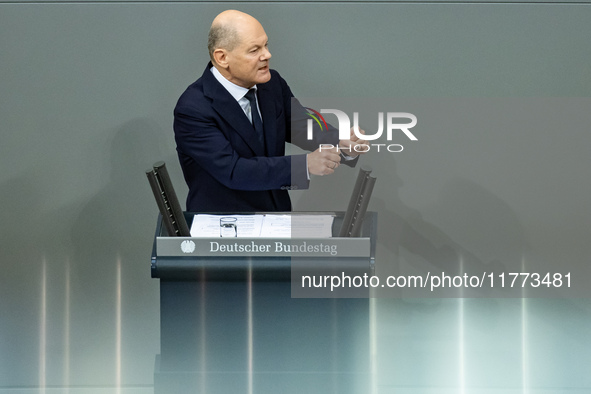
236, 91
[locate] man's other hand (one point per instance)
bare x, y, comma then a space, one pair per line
323, 161
354, 146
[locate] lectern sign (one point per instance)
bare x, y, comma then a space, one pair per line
263, 247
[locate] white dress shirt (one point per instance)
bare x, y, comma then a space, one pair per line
238, 92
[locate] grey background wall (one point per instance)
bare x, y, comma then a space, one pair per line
87, 92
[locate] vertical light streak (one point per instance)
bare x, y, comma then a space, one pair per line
373, 346
43, 330
462, 366
203, 339
118, 329
250, 328
67, 306
461, 348
524, 377
334, 344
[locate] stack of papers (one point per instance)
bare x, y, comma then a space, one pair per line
265, 226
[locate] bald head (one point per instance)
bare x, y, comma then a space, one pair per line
239, 48
226, 29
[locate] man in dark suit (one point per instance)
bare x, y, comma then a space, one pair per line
231, 126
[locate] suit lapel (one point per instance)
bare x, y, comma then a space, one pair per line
267, 106
229, 109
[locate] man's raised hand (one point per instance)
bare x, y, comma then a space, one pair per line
354, 146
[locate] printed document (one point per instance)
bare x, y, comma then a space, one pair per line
263, 226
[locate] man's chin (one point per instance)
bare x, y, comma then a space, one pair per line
264, 75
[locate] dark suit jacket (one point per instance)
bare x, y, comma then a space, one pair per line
223, 162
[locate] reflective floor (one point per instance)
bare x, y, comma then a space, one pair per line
483, 346
453, 346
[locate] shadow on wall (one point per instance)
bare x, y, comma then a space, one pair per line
59, 291
32, 240
467, 230
113, 242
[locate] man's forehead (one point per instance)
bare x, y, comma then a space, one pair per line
252, 40
252, 32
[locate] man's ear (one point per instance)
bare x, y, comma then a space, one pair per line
221, 57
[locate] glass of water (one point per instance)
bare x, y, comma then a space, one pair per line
228, 227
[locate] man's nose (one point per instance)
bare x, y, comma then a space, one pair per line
266, 54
